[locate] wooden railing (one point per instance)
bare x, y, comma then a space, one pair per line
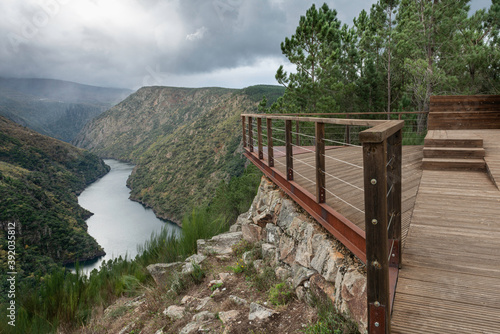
379, 246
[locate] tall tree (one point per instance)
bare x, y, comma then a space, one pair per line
312, 50
424, 31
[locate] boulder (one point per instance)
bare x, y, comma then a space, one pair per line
283, 273
160, 270
251, 232
322, 287
203, 316
354, 296
287, 249
220, 244
190, 328
188, 266
301, 274
273, 234
175, 312
228, 316
237, 300
259, 312
263, 219
202, 303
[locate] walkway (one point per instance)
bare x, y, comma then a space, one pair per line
450, 278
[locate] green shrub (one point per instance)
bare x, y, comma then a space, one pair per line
329, 319
281, 294
198, 273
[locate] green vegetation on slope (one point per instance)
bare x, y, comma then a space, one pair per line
65, 301
184, 141
39, 180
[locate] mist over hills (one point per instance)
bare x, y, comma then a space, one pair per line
55, 108
184, 141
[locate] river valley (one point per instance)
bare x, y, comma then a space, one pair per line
119, 225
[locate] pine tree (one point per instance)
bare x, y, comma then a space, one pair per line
312, 49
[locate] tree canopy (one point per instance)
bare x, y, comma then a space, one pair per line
392, 58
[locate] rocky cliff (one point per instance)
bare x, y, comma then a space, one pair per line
184, 141
295, 242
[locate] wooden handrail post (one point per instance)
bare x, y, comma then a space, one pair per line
259, 138
270, 150
377, 268
244, 131
297, 138
320, 162
289, 149
347, 132
250, 134
394, 154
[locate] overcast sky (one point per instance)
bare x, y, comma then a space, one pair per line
134, 43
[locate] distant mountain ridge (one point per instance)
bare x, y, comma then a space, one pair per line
184, 141
55, 108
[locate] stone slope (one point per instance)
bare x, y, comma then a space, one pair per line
290, 245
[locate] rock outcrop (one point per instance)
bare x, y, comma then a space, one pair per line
299, 251
304, 251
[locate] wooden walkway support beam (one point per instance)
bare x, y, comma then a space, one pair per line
250, 134
270, 150
289, 149
380, 144
320, 163
259, 138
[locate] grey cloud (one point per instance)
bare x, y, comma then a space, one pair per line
151, 41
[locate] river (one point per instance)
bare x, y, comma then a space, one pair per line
119, 225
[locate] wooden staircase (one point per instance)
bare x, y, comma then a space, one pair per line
453, 150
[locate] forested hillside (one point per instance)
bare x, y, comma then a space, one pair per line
184, 141
39, 179
55, 108
393, 58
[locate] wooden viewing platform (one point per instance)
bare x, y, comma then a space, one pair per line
449, 228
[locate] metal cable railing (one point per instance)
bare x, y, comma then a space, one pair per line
302, 150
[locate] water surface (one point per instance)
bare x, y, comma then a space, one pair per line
118, 224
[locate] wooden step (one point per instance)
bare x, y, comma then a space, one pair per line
453, 164
452, 138
472, 142
454, 152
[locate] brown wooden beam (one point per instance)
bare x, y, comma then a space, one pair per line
259, 138
270, 150
339, 121
289, 149
320, 163
250, 133
377, 268
244, 131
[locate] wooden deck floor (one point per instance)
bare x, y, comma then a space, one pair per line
450, 279
348, 199
491, 143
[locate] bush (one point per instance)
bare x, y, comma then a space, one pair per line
329, 319
281, 294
